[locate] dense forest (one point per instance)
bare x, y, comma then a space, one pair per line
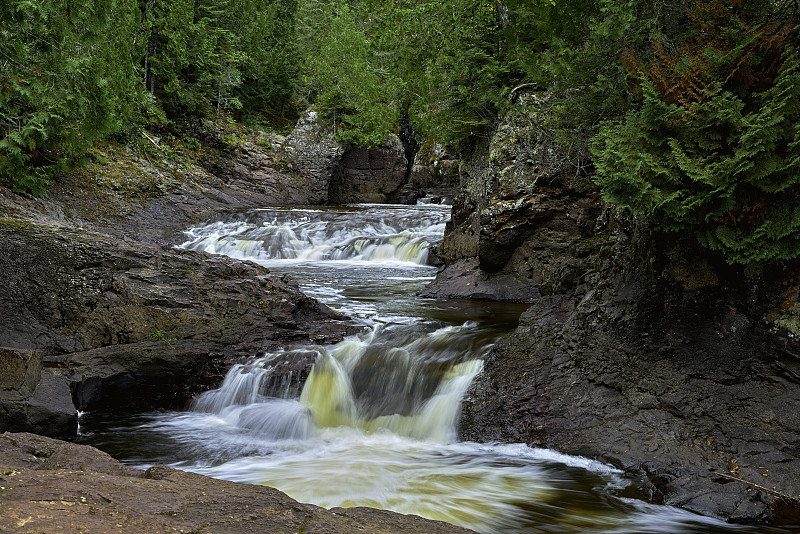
691, 107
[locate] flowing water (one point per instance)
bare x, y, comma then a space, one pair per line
374, 423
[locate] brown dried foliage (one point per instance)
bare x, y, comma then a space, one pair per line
730, 44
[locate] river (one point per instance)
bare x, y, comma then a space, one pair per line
375, 423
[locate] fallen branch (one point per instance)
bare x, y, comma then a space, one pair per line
762, 488
149, 138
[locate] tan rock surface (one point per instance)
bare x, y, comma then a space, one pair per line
49, 486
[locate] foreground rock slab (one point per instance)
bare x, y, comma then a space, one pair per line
48, 486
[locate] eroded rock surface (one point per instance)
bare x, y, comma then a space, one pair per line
522, 208
132, 325
48, 486
369, 175
311, 167
703, 409
641, 349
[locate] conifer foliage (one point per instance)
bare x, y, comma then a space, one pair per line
715, 146
66, 80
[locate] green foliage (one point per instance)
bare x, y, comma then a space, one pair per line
459, 60
344, 77
205, 56
450, 58
267, 39
66, 80
715, 146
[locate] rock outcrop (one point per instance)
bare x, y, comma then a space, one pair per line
435, 172
369, 175
310, 167
33, 397
48, 486
640, 349
104, 312
522, 208
698, 399
90, 321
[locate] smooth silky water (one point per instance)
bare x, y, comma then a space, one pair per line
375, 422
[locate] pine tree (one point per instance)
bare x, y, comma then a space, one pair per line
344, 77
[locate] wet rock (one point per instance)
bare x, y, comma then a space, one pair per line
132, 325
50, 486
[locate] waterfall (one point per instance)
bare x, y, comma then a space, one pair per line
310, 236
370, 421
395, 379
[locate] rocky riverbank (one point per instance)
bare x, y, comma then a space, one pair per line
639, 349
101, 311
49, 486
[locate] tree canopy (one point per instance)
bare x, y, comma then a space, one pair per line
693, 105
714, 146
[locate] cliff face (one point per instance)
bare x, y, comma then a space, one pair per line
639, 348
523, 208
309, 166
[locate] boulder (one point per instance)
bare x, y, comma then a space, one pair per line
373, 175
34, 399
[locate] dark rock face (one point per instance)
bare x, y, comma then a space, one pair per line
316, 155
364, 175
311, 167
307, 167
34, 399
688, 402
48, 486
435, 171
522, 210
266, 166
640, 349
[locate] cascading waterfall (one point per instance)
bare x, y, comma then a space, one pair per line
389, 379
299, 235
373, 422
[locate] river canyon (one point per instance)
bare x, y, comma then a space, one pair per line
374, 422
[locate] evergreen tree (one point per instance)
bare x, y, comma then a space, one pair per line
67, 79
266, 37
206, 56
715, 146
344, 77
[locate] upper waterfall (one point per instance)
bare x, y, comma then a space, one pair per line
352, 234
